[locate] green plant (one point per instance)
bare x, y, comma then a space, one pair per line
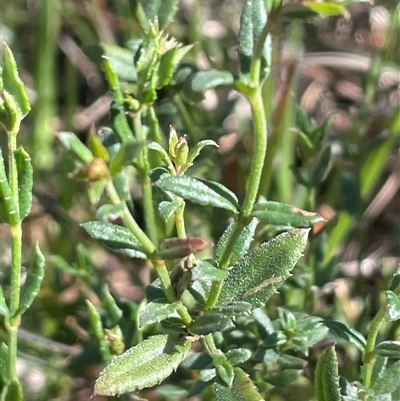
15, 205
193, 299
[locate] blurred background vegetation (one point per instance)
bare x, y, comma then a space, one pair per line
344, 70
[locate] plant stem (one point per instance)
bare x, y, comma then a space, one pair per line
256, 100
16, 250
129, 221
180, 221
369, 357
148, 207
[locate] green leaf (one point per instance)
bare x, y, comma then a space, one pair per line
207, 79
225, 370
155, 311
14, 391
167, 209
96, 146
13, 84
346, 333
110, 210
4, 373
196, 151
205, 270
388, 382
4, 311
169, 62
323, 166
327, 376
74, 144
8, 209
233, 308
242, 389
197, 361
97, 329
389, 349
25, 181
238, 355
210, 323
114, 312
95, 191
196, 191
260, 273
144, 365
119, 122
221, 190
33, 281
125, 156
121, 60
252, 21
164, 10
393, 306
326, 8
242, 244
116, 237
283, 214
283, 379
176, 248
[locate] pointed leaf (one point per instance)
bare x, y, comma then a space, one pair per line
75, 145
4, 311
389, 349
13, 84
346, 333
327, 376
205, 270
33, 281
25, 181
242, 389
155, 311
238, 355
167, 209
8, 208
116, 237
125, 156
210, 323
393, 306
196, 191
388, 382
196, 151
164, 10
207, 79
252, 21
144, 365
283, 214
221, 190
258, 275
176, 248
96, 146
242, 244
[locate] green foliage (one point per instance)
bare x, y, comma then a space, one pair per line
148, 293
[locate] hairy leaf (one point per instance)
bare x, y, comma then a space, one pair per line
25, 181
196, 191
155, 311
144, 365
116, 237
327, 376
258, 275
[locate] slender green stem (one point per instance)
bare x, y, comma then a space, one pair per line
129, 221
369, 357
16, 250
180, 221
148, 207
